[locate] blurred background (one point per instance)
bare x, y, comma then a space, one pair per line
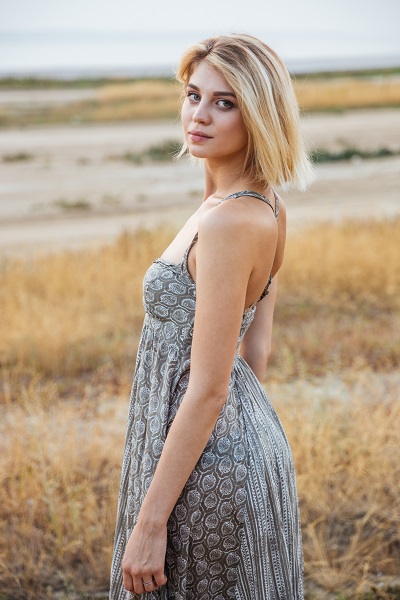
90, 195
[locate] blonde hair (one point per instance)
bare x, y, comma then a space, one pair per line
266, 99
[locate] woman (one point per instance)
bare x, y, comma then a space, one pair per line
208, 505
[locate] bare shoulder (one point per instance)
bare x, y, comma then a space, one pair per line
238, 217
220, 234
223, 220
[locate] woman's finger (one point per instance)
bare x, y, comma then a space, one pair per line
149, 583
138, 585
159, 577
128, 581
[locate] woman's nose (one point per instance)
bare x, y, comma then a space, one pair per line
201, 114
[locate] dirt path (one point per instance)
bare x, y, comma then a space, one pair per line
71, 193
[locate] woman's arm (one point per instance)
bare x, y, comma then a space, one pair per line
255, 347
223, 254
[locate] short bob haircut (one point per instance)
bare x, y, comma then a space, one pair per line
266, 99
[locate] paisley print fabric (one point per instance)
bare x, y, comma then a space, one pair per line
234, 531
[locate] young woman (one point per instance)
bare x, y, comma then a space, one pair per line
208, 505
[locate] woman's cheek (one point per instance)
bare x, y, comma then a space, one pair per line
185, 112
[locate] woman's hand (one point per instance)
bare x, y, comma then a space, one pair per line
144, 558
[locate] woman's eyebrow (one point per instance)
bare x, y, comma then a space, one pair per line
215, 93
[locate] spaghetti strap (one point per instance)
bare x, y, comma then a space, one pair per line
276, 204
256, 195
184, 263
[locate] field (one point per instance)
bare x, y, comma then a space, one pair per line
70, 327
88, 198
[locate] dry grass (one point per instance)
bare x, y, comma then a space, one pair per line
348, 92
69, 329
160, 99
136, 100
71, 313
60, 475
339, 303
345, 449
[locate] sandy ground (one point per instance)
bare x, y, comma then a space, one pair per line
74, 163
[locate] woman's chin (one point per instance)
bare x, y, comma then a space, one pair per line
198, 152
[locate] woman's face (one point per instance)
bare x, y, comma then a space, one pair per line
212, 123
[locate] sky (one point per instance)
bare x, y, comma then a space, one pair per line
294, 28
183, 15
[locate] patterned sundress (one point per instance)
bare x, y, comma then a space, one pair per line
235, 529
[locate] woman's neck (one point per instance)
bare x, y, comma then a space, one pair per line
221, 181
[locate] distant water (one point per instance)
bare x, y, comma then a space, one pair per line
68, 54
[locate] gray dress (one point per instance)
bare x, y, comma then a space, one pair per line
235, 529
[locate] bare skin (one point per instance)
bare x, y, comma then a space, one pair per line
240, 243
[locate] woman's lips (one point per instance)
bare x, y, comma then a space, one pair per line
198, 136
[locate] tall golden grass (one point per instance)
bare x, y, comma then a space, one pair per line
347, 92
339, 303
69, 330
60, 473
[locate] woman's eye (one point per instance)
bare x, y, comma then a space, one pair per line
193, 96
225, 104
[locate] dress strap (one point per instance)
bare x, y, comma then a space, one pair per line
265, 291
196, 235
184, 263
256, 195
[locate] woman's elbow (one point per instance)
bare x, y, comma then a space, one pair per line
260, 367
258, 359
211, 397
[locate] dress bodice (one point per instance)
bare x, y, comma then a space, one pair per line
169, 296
